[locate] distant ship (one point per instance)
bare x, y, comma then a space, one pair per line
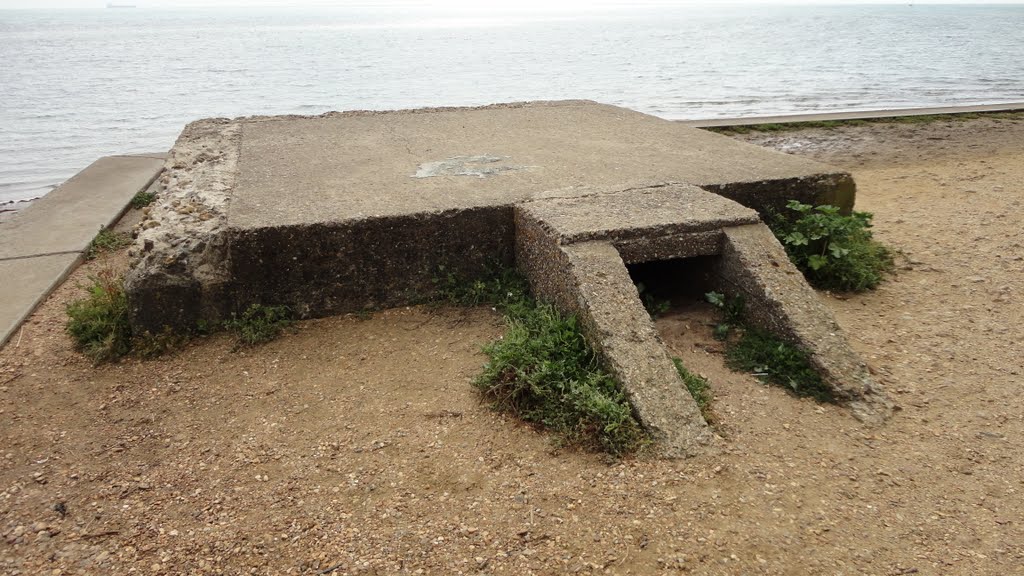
112, 5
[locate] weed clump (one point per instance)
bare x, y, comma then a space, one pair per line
142, 199
757, 352
259, 323
101, 330
778, 362
699, 388
834, 252
543, 370
107, 241
501, 287
99, 323
655, 306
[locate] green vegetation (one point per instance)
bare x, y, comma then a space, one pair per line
99, 323
107, 241
764, 355
100, 328
778, 362
834, 252
148, 345
699, 388
142, 199
502, 287
543, 371
655, 306
259, 323
830, 124
732, 313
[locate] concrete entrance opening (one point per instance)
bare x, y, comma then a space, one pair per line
673, 282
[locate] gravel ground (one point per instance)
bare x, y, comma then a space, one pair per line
356, 445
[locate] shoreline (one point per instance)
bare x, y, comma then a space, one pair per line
11, 207
882, 115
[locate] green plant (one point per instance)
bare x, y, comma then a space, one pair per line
259, 323
106, 241
142, 199
764, 355
655, 306
834, 252
544, 372
149, 345
778, 362
732, 313
699, 388
99, 323
501, 287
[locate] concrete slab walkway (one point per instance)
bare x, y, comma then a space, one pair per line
43, 243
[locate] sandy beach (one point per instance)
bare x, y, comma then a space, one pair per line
356, 445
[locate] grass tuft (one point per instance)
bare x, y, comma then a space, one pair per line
142, 199
260, 324
501, 287
777, 362
101, 330
99, 323
699, 388
543, 371
764, 355
107, 241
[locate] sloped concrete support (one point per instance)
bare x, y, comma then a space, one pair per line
590, 280
753, 264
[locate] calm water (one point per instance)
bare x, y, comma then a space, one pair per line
78, 85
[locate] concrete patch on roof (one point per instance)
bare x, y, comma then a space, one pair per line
479, 166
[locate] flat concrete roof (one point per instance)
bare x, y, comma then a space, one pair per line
351, 166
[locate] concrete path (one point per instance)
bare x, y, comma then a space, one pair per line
860, 115
43, 243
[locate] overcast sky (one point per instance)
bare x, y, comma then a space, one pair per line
472, 5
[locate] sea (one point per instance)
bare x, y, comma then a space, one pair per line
77, 85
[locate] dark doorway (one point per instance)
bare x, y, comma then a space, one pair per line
665, 284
